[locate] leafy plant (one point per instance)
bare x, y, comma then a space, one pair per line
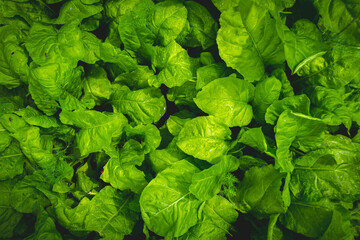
179, 119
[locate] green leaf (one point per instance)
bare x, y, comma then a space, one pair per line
302, 44
85, 183
91, 46
74, 11
13, 58
51, 84
147, 135
216, 218
44, 227
259, 191
33, 117
227, 99
298, 103
207, 183
9, 217
333, 168
174, 66
117, 60
319, 220
341, 18
184, 95
210, 72
96, 128
30, 11
176, 122
116, 9
247, 162
5, 138
144, 106
110, 213
203, 27
248, 40
136, 79
206, 58
340, 226
167, 207
302, 131
26, 194
112, 216
337, 69
274, 6
330, 107
286, 88
11, 162
254, 137
121, 171
97, 85
164, 158
11, 100
37, 148
168, 20
133, 28
204, 138
46, 44
266, 92
224, 5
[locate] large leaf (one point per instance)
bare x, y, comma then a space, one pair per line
167, 207
11, 162
302, 44
96, 128
145, 106
207, 183
13, 58
227, 99
204, 138
298, 103
341, 18
336, 69
330, 107
108, 213
302, 131
168, 20
30, 11
259, 191
274, 5
5, 138
164, 158
44, 227
53, 84
331, 171
203, 27
133, 29
255, 138
215, 220
35, 118
9, 217
74, 11
147, 135
26, 195
266, 92
209, 73
174, 65
248, 40
97, 85
121, 171
37, 148
46, 44
320, 220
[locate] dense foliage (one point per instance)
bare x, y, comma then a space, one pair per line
141, 119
